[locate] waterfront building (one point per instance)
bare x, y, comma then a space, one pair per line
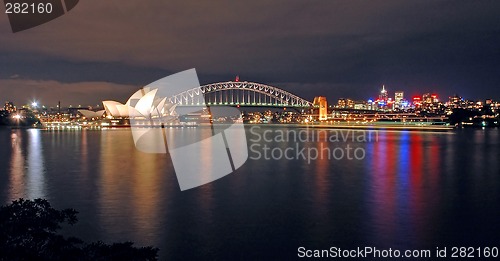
142, 103
9, 107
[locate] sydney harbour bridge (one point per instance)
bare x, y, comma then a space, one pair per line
145, 104
234, 93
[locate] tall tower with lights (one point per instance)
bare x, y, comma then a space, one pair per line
383, 96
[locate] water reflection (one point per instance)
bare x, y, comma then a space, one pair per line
416, 203
27, 168
114, 189
146, 193
411, 189
403, 180
404, 183
382, 198
321, 172
36, 168
16, 188
131, 188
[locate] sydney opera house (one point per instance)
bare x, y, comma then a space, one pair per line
144, 106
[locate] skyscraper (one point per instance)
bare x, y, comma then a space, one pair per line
383, 95
399, 100
398, 96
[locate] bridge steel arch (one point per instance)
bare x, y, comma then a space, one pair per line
277, 97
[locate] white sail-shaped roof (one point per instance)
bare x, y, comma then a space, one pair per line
111, 109
143, 104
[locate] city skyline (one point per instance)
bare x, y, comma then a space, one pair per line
391, 95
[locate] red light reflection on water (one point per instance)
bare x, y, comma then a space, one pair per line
404, 168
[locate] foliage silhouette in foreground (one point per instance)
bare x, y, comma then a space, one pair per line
28, 232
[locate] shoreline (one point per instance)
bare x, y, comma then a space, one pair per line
387, 127
391, 127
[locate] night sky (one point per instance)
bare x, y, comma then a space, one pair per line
107, 49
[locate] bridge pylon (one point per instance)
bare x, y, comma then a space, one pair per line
322, 104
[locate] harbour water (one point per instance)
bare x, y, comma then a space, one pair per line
410, 190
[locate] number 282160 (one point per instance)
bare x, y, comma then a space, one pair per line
26, 8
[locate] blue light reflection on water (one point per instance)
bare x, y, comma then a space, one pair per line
412, 190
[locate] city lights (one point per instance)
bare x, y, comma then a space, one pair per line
388, 108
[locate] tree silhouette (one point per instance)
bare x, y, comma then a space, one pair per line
28, 232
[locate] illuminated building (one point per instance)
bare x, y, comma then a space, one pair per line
429, 103
383, 99
345, 103
426, 98
116, 109
398, 97
320, 102
383, 96
434, 98
417, 102
399, 100
372, 105
341, 103
9, 107
455, 101
92, 114
361, 105
430, 98
142, 104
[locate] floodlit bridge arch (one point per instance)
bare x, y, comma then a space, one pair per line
238, 93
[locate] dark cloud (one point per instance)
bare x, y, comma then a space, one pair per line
49, 93
333, 48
